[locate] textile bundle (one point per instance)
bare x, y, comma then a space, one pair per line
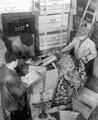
72, 77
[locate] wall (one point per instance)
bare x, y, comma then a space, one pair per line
7, 6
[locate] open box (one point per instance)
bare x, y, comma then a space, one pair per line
85, 102
49, 79
46, 85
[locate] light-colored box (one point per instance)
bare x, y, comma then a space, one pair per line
39, 85
43, 7
50, 23
48, 82
51, 79
44, 87
85, 102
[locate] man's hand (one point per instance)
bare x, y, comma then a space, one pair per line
84, 59
29, 61
25, 79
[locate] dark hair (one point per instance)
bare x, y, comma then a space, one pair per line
83, 31
27, 39
10, 57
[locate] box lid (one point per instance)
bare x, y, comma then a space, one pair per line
17, 15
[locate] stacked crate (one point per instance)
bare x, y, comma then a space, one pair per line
51, 24
81, 4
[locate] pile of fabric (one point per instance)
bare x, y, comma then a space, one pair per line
72, 77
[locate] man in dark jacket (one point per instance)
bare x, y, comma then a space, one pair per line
12, 88
24, 47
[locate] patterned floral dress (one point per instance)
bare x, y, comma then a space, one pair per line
72, 77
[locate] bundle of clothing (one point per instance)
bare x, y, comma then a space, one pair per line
72, 77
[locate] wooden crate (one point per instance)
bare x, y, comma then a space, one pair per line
76, 22
73, 7
83, 2
54, 40
43, 7
85, 102
80, 9
50, 23
46, 52
92, 6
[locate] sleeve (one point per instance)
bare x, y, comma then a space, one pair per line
69, 46
93, 52
15, 90
15, 48
31, 51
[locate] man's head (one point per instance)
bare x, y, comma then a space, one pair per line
83, 31
11, 58
27, 39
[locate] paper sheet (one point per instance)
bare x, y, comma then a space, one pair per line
33, 76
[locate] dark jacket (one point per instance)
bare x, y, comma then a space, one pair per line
11, 88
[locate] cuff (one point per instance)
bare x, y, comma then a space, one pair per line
86, 59
24, 84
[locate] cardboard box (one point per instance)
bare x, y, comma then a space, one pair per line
44, 87
39, 85
85, 102
43, 7
51, 79
48, 82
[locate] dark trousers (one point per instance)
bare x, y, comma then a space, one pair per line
24, 112
89, 67
21, 114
